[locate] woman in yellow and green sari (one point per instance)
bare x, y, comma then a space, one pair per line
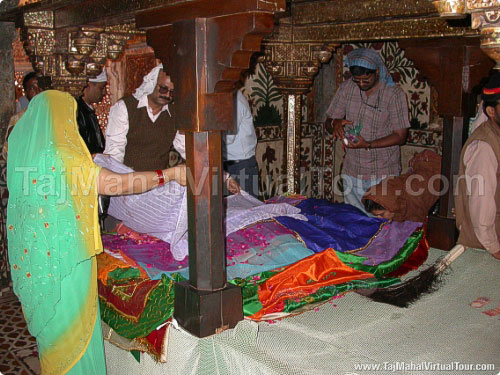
54, 235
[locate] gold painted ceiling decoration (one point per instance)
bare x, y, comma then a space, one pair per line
71, 55
485, 16
294, 65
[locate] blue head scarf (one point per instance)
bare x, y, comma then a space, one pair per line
369, 59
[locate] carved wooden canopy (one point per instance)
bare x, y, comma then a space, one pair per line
78, 35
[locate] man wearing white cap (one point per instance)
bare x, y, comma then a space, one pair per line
140, 129
88, 125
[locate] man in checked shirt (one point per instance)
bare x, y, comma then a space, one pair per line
369, 102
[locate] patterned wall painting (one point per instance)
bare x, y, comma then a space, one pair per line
264, 98
266, 103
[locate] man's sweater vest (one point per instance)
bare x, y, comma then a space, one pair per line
148, 143
490, 133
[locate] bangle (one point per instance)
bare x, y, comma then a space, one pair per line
161, 177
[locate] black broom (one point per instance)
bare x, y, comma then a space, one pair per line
409, 291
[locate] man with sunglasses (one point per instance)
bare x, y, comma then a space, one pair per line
370, 114
140, 127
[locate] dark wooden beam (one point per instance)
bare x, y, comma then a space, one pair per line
204, 8
455, 67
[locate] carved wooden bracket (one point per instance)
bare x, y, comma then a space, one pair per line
485, 15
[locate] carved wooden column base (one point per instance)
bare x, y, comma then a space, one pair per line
204, 313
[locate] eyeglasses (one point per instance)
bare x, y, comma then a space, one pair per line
165, 90
370, 105
365, 81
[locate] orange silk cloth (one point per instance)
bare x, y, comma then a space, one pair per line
302, 278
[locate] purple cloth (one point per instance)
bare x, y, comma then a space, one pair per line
257, 248
339, 226
388, 242
149, 251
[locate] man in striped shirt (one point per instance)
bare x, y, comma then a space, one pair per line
370, 114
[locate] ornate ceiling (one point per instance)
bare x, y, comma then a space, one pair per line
71, 40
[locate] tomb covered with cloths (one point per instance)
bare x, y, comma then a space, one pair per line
284, 265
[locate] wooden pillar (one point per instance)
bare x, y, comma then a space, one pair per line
204, 46
206, 303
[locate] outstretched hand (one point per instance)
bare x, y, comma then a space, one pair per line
177, 173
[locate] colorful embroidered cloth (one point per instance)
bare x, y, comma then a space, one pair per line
158, 308
149, 252
162, 212
316, 278
128, 295
257, 248
54, 233
285, 288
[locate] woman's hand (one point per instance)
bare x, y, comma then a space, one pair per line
177, 173
111, 183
